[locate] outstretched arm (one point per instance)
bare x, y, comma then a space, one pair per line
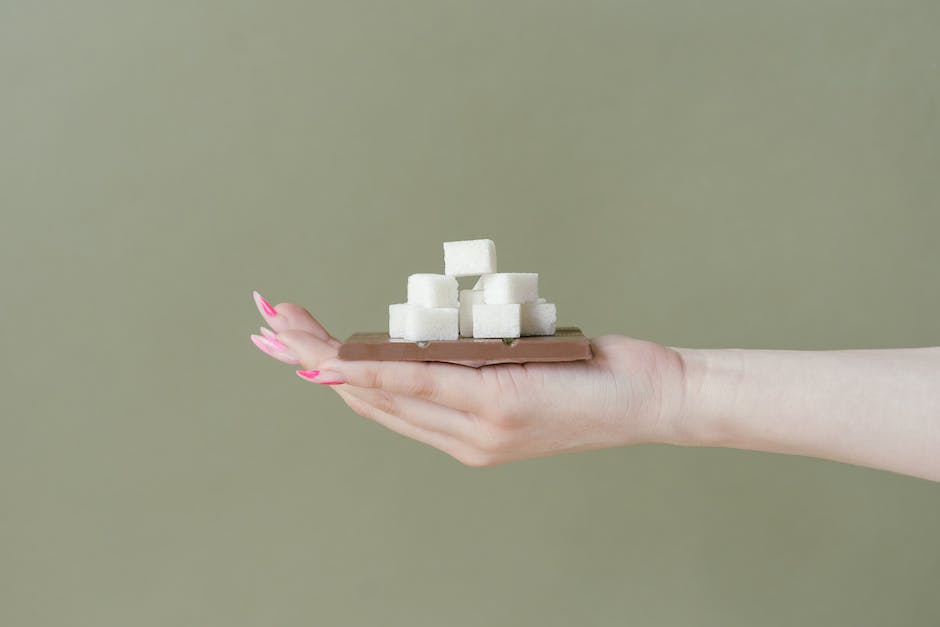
878, 408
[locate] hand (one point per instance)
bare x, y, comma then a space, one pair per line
629, 393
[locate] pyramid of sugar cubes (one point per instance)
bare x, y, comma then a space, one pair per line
500, 305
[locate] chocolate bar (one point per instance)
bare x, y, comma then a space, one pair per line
568, 344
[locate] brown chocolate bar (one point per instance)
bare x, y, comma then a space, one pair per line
568, 344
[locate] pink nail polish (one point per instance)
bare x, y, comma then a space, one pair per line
307, 374
278, 344
287, 356
325, 377
272, 344
268, 333
260, 342
264, 306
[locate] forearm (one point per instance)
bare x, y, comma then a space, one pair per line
878, 408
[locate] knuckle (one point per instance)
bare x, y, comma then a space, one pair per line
503, 417
385, 402
372, 378
424, 387
419, 385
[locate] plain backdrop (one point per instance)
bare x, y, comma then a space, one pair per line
730, 173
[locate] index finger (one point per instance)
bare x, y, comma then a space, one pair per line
450, 385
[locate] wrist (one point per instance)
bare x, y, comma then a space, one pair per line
710, 384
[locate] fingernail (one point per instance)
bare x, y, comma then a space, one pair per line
323, 377
268, 333
307, 374
264, 306
270, 349
262, 344
278, 344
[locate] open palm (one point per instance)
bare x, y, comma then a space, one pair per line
484, 416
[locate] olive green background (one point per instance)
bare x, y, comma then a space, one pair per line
733, 173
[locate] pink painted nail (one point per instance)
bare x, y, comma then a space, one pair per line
260, 342
285, 355
264, 306
321, 377
278, 344
327, 377
268, 333
272, 344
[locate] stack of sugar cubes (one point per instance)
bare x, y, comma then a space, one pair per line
501, 305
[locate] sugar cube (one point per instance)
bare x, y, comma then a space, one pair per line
469, 257
503, 288
423, 324
496, 320
396, 319
538, 319
468, 298
432, 290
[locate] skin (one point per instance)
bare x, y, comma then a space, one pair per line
877, 408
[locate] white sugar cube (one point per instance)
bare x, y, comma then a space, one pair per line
504, 288
432, 290
469, 257
397, 314
496, 320
423, 324
468, 298
538, 319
